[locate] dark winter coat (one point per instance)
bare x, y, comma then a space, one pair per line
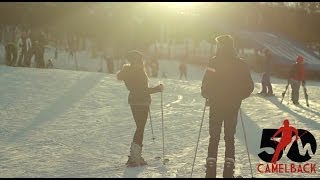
268, 62
11, 52
136, 81
227, 81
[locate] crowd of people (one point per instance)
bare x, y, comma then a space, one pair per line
20, 50
24, 43
296, 76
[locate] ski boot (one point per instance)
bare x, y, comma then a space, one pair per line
296, 103
228, 171
261, 93
211, 170
135, 158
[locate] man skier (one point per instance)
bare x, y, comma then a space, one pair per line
11, 54
183, 70
136, 81
24, 45
296, 78
266, 84
227, 81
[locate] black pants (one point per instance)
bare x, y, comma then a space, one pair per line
229, 117
11, 57
295, 86
23, 56
183, 73
140, 116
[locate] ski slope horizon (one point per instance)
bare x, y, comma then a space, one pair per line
60, 123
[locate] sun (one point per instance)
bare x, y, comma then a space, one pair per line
179, 4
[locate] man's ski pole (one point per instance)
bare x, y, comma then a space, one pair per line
195, 154
245, 138
164, 160
151, 124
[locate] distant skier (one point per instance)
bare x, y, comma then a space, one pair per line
227, 81
265, 82
110, 64
136, 81
183, 70
164, 75
49, 64
154, 67
24, 44
11, 52
296, 79
38, 51
56, 54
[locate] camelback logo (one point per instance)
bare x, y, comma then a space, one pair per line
299, 145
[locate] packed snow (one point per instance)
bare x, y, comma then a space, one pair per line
65, 123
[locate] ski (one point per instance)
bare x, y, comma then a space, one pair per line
159, 158
148, 163
263, 95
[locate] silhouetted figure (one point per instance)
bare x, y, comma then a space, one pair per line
296, 79
227, 81
11, 54
24, 45
136, 81
164, 75
38, 52
49, 64
266, 83
56, 54
38, 48
110, 64
154, 64
183, 70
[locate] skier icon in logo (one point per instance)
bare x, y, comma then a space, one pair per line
286, 138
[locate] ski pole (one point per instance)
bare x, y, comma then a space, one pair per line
288, 95
284, 92
75, 58
245, 138
306, 96
162, 129
194, 159
151, 125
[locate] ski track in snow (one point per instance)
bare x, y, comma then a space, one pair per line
57, 123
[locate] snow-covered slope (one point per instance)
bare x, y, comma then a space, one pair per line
58, 123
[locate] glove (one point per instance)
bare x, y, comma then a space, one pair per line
160, 87
303, 83
207, 102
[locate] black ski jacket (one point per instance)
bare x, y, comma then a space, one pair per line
227, 81
136, 81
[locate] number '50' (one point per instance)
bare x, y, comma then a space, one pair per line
293, 154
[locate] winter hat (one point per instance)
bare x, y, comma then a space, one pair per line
225, 46
134, 56
225, 41
299, 59
266, 51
